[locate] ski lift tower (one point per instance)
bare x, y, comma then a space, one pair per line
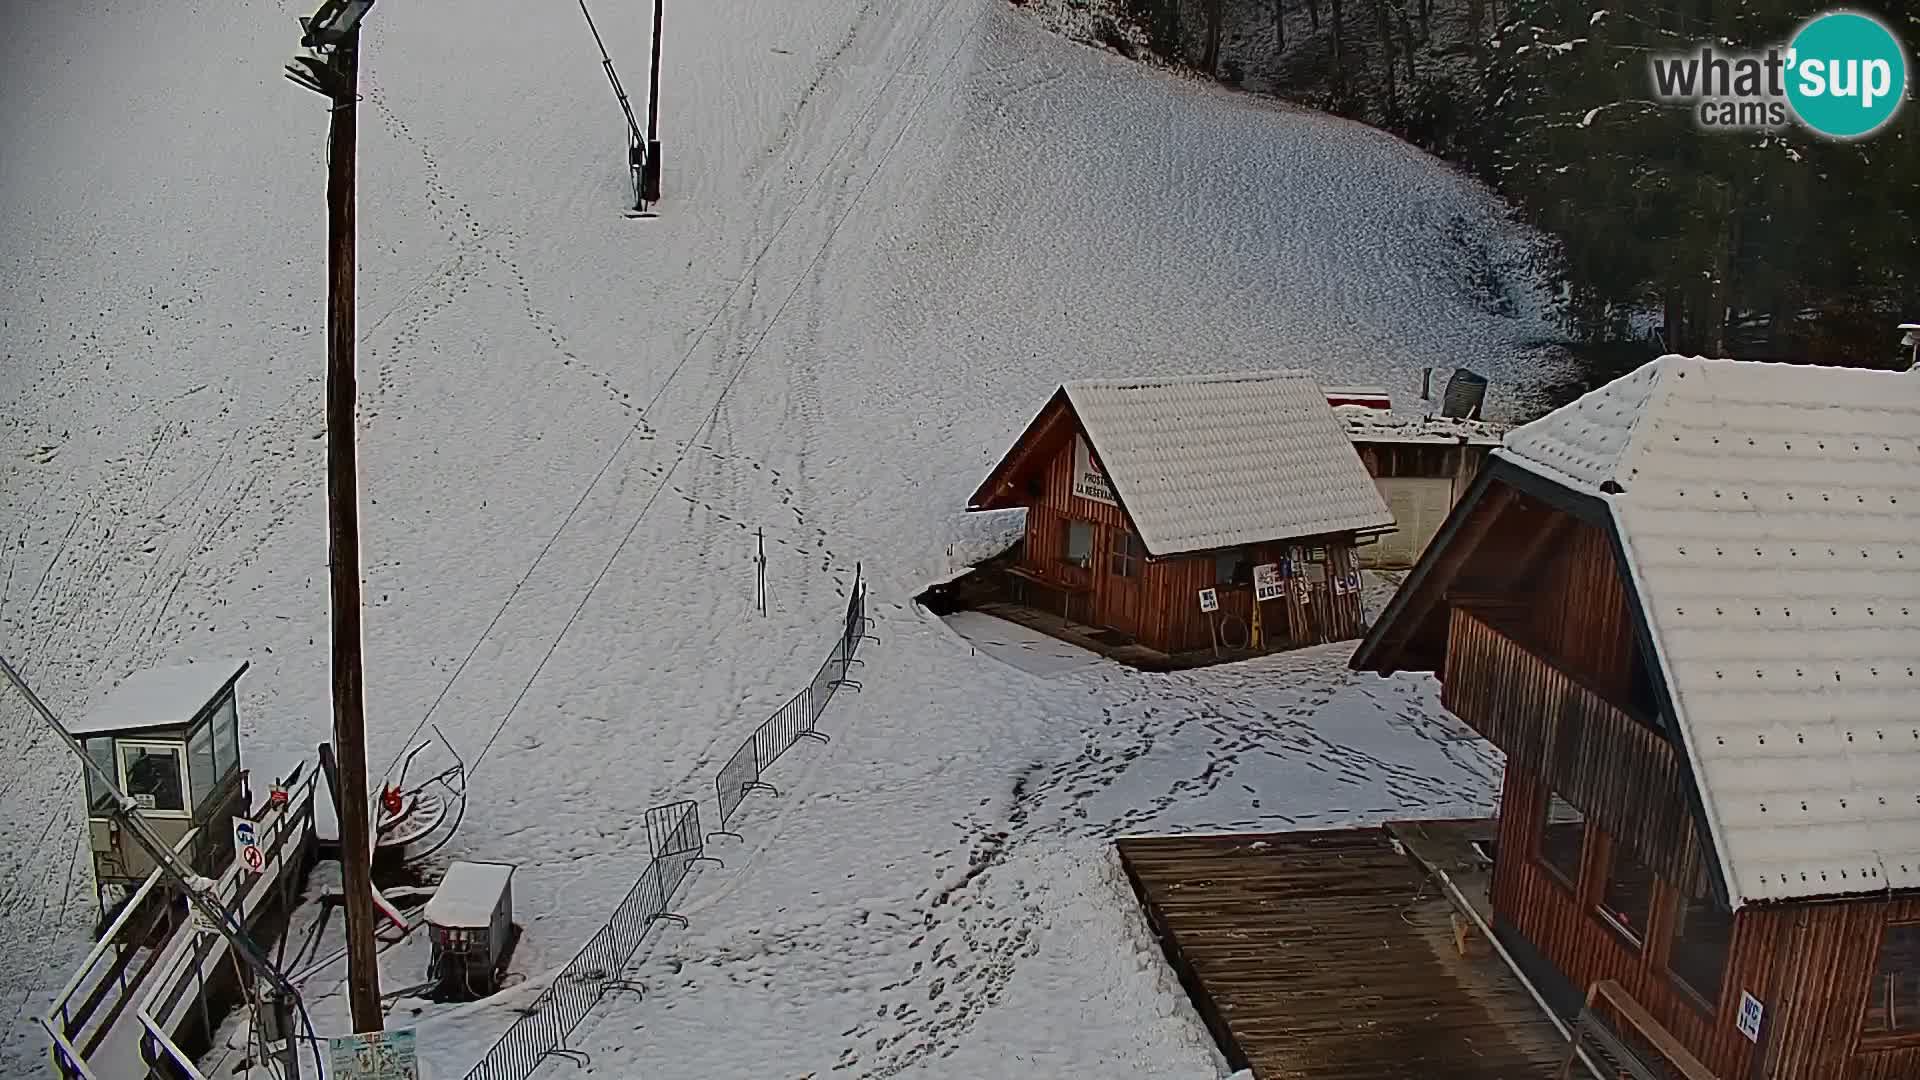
171, 738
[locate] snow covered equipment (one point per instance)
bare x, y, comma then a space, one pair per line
469, 921
407, 815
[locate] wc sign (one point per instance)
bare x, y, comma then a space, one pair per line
1843, 75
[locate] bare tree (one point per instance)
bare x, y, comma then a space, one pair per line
1339, 52
1386, 43
1279, 27
1215, 18
1313, 15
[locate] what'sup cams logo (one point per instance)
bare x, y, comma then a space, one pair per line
1844, 75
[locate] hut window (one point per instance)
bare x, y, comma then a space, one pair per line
151, 773
1127, 553
1232, 568
226, 737
1627, 900
1893, 1002
1702, 937
1079, 542
202, 775
100, 749
1562, 836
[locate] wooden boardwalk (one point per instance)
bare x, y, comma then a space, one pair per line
1327, 955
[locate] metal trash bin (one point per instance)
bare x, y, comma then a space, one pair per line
469, 921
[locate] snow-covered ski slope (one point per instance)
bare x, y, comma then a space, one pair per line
890, 229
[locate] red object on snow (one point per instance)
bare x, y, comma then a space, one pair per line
390, 799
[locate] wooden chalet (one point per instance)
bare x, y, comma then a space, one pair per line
1422, 465
1142, 493
1687, 608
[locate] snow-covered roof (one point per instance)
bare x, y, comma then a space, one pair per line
1370, 425
1770, 515
467, 894
1212, 461
159, 697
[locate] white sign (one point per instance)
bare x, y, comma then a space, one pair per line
1267, 583
1089, 479
202, 922
1209, 600
376, 1055
246, 845
1751, 1013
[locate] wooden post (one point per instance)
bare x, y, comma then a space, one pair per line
343, 553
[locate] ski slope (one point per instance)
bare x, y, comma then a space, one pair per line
889, 230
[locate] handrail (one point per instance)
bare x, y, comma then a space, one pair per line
1635, 1014
113, 930
178, 1055
227, 889
66, 1049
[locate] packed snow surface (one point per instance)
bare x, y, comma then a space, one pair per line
890, 230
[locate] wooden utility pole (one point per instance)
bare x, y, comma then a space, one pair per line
343, 552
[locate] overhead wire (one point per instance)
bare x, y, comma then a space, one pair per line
713, 415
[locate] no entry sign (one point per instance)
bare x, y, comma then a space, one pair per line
246, 845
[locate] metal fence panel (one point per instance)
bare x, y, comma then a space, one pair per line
675, 842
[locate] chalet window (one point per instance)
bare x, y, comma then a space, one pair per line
1893, 1001
1627, 899
1562, 836
1124, 560
1232, 568
1079, 542
1702, 937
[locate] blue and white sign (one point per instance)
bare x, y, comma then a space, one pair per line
246, 845
1751, 1013
379, 1055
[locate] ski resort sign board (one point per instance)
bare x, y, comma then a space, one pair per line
1089, 479
1267, 582
378, 1055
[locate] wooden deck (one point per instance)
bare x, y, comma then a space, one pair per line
1328, 955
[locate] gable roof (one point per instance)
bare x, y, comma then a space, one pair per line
159, 697
1212, 461
1770, 519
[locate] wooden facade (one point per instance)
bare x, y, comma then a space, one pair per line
1540, 650
1155, 600
1421, 482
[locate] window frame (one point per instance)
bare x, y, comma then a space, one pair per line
1553, 870
1125, 554
1085, 561
1638, 940
179, 752
1232, 567
1889, 1037
1676, 923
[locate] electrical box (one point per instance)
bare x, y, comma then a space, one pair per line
469, 921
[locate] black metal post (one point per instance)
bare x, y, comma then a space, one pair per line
650, 181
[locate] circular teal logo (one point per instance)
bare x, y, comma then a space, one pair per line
1847, 74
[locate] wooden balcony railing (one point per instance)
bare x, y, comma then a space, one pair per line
1624, 775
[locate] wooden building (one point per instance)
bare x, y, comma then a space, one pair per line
1140, 494
1422, 465
1687, 608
